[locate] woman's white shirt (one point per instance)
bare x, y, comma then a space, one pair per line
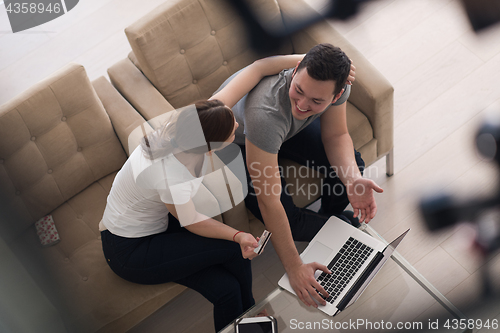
136, 202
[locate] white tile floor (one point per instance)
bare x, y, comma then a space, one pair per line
446, 80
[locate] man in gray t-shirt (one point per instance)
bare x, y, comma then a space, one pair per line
300, 114
267, 113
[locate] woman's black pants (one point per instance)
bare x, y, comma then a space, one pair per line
215, 268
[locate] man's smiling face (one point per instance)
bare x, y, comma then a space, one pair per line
309, 96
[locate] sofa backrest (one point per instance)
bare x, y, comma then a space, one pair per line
189, 47
55, 140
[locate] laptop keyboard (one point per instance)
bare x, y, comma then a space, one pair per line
343, 267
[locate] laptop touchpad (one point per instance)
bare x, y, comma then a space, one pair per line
318, 252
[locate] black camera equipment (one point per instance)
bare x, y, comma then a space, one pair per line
443, 210
482, 13
267, 39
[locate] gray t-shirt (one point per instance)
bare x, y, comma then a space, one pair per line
265, 114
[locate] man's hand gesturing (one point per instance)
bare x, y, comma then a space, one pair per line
360, 194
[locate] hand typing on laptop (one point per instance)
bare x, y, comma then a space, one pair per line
305, 285
352, 260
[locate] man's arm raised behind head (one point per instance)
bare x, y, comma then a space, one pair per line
251, 75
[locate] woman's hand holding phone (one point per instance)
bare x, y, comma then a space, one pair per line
247, 243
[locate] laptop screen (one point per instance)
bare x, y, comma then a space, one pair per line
386, 255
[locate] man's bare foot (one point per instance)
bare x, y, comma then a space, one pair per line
263, 313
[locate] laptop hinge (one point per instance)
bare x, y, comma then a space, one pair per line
354, 289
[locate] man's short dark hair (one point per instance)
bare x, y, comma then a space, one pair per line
326, 62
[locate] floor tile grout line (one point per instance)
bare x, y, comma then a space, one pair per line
412, 30
464, 124
472, 71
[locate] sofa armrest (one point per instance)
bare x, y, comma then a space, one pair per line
123, 116
138, 90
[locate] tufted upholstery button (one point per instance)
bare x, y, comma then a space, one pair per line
79, 216
63, 119
49, 171
66, 259
18, 192
195, 81
212, 32
1, 160
183, 51
33, 138
85, 278
79, 149
224, 63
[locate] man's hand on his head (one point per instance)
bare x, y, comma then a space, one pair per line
352, 75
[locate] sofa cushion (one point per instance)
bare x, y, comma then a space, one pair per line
94, 297
188, 49
359, 126
55, 140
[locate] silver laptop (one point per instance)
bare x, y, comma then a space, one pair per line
354, 258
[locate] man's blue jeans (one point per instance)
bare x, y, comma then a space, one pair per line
306, 148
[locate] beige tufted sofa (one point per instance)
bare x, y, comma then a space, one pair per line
61, 145
63, 140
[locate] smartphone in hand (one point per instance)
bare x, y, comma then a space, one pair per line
266, 235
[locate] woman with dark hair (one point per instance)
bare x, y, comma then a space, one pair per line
151, 230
